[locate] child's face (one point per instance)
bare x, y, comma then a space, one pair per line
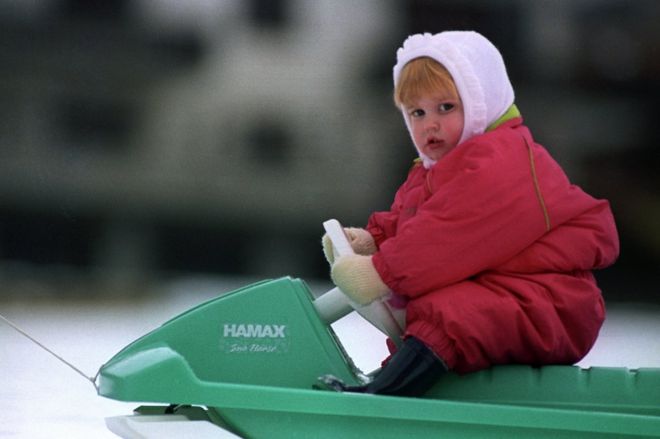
436, 122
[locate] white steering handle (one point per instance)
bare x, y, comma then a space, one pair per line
335, 304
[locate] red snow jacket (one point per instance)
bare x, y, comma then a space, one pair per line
496, 224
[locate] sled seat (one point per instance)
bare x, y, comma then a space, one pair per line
604, 389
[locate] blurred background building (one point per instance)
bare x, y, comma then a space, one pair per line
150, 139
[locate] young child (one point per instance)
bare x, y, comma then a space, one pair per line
487, 245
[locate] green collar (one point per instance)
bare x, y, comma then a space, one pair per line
511, 113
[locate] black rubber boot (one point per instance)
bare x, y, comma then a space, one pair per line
411, 371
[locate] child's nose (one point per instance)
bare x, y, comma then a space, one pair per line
432, 124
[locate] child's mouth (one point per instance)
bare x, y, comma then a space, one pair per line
434, 143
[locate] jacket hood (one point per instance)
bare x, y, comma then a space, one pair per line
477, 69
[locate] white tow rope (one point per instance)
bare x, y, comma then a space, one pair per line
41, 345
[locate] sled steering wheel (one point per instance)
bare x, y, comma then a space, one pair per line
334, 304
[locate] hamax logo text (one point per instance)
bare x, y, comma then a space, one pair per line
242, 330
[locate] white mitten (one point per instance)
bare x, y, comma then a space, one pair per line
357, 277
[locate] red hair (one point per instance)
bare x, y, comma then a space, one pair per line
420, 77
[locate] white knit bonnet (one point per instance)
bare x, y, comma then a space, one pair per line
477, 68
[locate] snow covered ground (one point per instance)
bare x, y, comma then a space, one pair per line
42, 398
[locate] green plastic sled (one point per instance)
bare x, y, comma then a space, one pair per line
246, 362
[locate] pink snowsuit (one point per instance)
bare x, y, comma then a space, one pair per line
493, 248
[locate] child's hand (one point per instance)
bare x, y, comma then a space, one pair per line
361, 241
357, 277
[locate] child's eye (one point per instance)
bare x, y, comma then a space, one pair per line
445, 107
416, 113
